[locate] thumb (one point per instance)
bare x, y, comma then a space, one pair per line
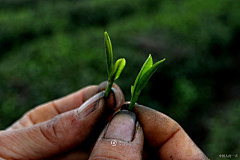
62, 133
121, 139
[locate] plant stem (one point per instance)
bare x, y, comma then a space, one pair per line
131, 105
108, 89
133, 101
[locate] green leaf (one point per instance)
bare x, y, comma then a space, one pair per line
117, 69
147, 75
109, 53
132, 90
144, 75
122, 63
148, 63
113, 71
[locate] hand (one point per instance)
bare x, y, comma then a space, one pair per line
53, 130
153, 136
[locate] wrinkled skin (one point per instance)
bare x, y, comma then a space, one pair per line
53, 131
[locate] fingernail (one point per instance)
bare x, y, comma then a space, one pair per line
89, 106
122, 126
118, 97
125, 106
114, 98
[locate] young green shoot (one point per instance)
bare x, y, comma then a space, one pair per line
144, 75
115, 70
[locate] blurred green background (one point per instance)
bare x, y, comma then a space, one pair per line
52, 48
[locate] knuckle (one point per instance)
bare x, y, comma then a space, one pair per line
49, 131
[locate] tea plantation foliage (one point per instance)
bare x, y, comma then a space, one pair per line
52, 48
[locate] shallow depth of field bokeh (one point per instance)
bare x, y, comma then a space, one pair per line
52, 48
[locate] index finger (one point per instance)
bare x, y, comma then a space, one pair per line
165, 134
72, 101
53, 108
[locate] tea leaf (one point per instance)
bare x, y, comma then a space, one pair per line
113, 71
144, 75
147, 75
132, 90
148, 63
109, 53
117, 69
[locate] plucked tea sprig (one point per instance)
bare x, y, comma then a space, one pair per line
115, 70
144, 75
